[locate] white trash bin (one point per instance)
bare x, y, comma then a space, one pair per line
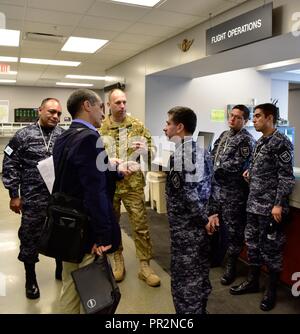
157, 184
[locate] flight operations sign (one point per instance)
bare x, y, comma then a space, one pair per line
244, 29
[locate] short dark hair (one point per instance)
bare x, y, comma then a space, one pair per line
48, 99
77, 98
269, 109
113, 90
244, 109
184, 115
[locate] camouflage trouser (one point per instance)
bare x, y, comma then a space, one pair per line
134, 203
29, 232
233, 217
261, 250
189, 269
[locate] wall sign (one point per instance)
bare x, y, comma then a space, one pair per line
244, 29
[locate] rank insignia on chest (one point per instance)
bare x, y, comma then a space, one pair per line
176, 181
245, 151
285, 157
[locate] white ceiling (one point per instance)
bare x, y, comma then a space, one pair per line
130, 30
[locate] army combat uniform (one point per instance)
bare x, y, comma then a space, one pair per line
118, 138
188, 189
271, 182
231, 155
22, 178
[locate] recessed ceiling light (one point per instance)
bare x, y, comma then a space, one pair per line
49, 62
278, 64
145, 3
9, 73
83, 45
7, 81
9, 37
294, 71
88, 77
74, 84
9, 59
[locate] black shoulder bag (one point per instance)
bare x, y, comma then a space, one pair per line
65, 229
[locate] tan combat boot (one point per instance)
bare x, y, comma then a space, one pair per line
147, 274
119, 268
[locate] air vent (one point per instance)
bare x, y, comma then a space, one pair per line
42, 37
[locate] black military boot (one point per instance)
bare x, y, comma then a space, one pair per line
250, 285
31, 286
58, 269
230, 271
269, 299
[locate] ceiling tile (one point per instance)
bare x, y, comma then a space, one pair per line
194, 7
95, 33
69, 6
118, 11
63, 30
167, 18
12, 12
136, 39
53, 17
151, 29
104, 23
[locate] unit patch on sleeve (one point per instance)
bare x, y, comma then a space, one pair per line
8, 150
285, 157
245, 151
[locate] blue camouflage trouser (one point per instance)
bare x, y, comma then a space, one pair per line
189, 269
29, 232
262, 250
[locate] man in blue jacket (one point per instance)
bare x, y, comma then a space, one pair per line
87, 179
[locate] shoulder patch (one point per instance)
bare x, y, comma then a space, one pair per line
245, 151
176, 181
285, 157
8, 150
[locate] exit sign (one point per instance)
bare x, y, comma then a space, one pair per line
4, 68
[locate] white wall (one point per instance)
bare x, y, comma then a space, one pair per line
31, 97
202, 95
280, 91
294, 118
167, 54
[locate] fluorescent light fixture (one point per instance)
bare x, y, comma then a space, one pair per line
145, 3
294, 71
9, 37
7, 81
50, 62
83, 45
9, 59
74, 84
87, 77
9, 73
278, 64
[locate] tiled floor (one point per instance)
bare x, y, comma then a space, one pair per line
137, 297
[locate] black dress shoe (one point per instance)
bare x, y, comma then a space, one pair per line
245, 287
32, 291
227, 279
269, 300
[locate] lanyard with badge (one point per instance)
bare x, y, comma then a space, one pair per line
47, 146
46, 166
226, 139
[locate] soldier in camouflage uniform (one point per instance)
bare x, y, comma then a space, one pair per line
27, 190
126, 138
231, 155
188, 189
271, 181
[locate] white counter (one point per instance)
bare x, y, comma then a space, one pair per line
295, 197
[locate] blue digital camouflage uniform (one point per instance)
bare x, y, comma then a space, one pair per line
22, 178
231, 155
271, 182
188, 189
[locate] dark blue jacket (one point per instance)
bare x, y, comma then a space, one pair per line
83, 180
